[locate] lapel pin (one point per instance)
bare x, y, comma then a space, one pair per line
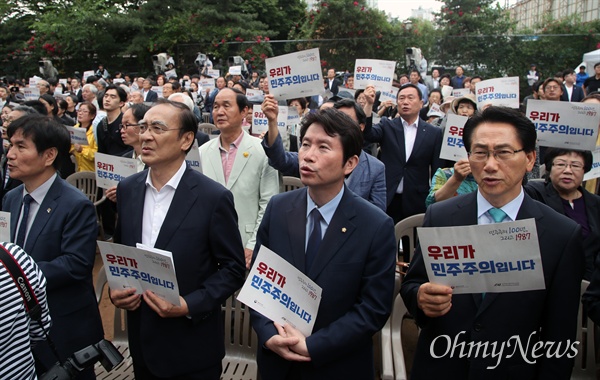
246, 154
343, 229
48, 210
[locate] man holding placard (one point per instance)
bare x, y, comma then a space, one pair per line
410, 150
344, 244
174, 208
501, 145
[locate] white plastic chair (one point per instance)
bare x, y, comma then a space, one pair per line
585, 361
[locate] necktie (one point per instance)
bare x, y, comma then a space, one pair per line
23, 227
497, 214
314, 240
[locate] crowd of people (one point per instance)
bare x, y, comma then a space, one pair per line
366, 163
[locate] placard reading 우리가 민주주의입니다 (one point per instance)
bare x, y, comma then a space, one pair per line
295, 75
374, 72
453, 147
280, 292
110, 170
489, 258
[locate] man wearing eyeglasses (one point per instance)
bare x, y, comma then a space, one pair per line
501, 145
172, 207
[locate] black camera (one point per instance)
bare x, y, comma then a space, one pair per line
104, 352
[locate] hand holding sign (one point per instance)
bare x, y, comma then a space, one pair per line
435, 300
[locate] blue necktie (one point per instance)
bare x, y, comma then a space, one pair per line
23, 227
497, 214
314, 240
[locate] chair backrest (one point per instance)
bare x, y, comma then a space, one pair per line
399, 313
241, 342
291, 183
585, 361
406, 232
86, 182
207, 128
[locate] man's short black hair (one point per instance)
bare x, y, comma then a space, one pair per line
38, 106
476, 77
524, 127
407, 85
336, 123
45, 133
120, 91
91, 79
138, 111
597, 64
568, 72
349, 103
240, 98
552, 153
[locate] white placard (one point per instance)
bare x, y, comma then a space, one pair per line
447, 91
158, 90
293, 118
87, 74
489, 258
391, 94
595, 172
5, 226
295, 75
31, 93
235, 70
253, 93
374, 72
565, 124
63, 81
453, 147
33, 81
110, 170
280, 292
460, 92
78, 135
434, 110
193, 157
170, 73
498, 92
143, 269
207, 84
260, 123
213, 73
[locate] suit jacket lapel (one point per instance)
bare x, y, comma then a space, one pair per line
242, 156
136, 206
338, 231
400, 138
421, 133
214, 166
184, 198
296, 227
47, 208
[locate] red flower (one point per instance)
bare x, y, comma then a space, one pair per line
356, 3
460, 13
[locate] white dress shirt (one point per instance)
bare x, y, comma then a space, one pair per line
410, 134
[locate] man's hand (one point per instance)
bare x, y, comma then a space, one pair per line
270, 107
435, 300
370, 94
111, 194
280, 344
300, 347
164, 308
125, 299
248, 255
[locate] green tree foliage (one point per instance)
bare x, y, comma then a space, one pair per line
348, 30
474, 33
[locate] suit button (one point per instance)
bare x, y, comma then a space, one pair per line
477, 327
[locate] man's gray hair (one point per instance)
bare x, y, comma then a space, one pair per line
182, 98
90, 87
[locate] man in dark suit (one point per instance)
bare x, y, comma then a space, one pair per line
367, 179
149, 95
349, 253
571, 92
410, 150
56, 225
174, 208
501, 145
331, 83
